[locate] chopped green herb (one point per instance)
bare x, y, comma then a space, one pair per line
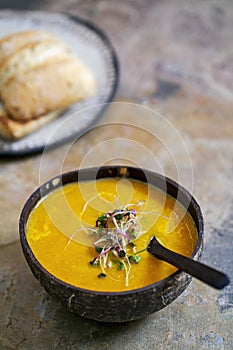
119, 216
98, 249
94, 262
102, 275
122, 253
121, 266
100, 222
134, 259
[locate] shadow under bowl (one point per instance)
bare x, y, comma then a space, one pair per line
113, 306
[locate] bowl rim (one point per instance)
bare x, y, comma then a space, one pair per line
36, 196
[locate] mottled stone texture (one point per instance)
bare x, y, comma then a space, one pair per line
176, 57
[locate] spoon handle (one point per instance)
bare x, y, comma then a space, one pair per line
194, 268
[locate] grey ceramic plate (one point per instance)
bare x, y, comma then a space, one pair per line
94, 48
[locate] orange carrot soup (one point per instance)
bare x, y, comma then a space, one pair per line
94, 234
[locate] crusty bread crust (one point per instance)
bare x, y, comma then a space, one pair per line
16, 41
46, 88
15, 129
32, 55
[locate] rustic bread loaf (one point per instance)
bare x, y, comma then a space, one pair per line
39, 78
47, 87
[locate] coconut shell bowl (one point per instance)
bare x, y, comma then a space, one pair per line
128, 305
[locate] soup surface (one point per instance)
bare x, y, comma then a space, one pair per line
56, 236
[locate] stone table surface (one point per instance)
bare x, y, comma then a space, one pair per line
174, 116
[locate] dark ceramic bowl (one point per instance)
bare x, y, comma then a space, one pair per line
113, 306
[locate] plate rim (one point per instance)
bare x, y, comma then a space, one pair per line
116, 70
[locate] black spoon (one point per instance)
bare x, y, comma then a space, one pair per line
194, 268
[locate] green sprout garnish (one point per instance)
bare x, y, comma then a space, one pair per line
115, 230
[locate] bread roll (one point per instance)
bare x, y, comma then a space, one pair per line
39, 78
46, 88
